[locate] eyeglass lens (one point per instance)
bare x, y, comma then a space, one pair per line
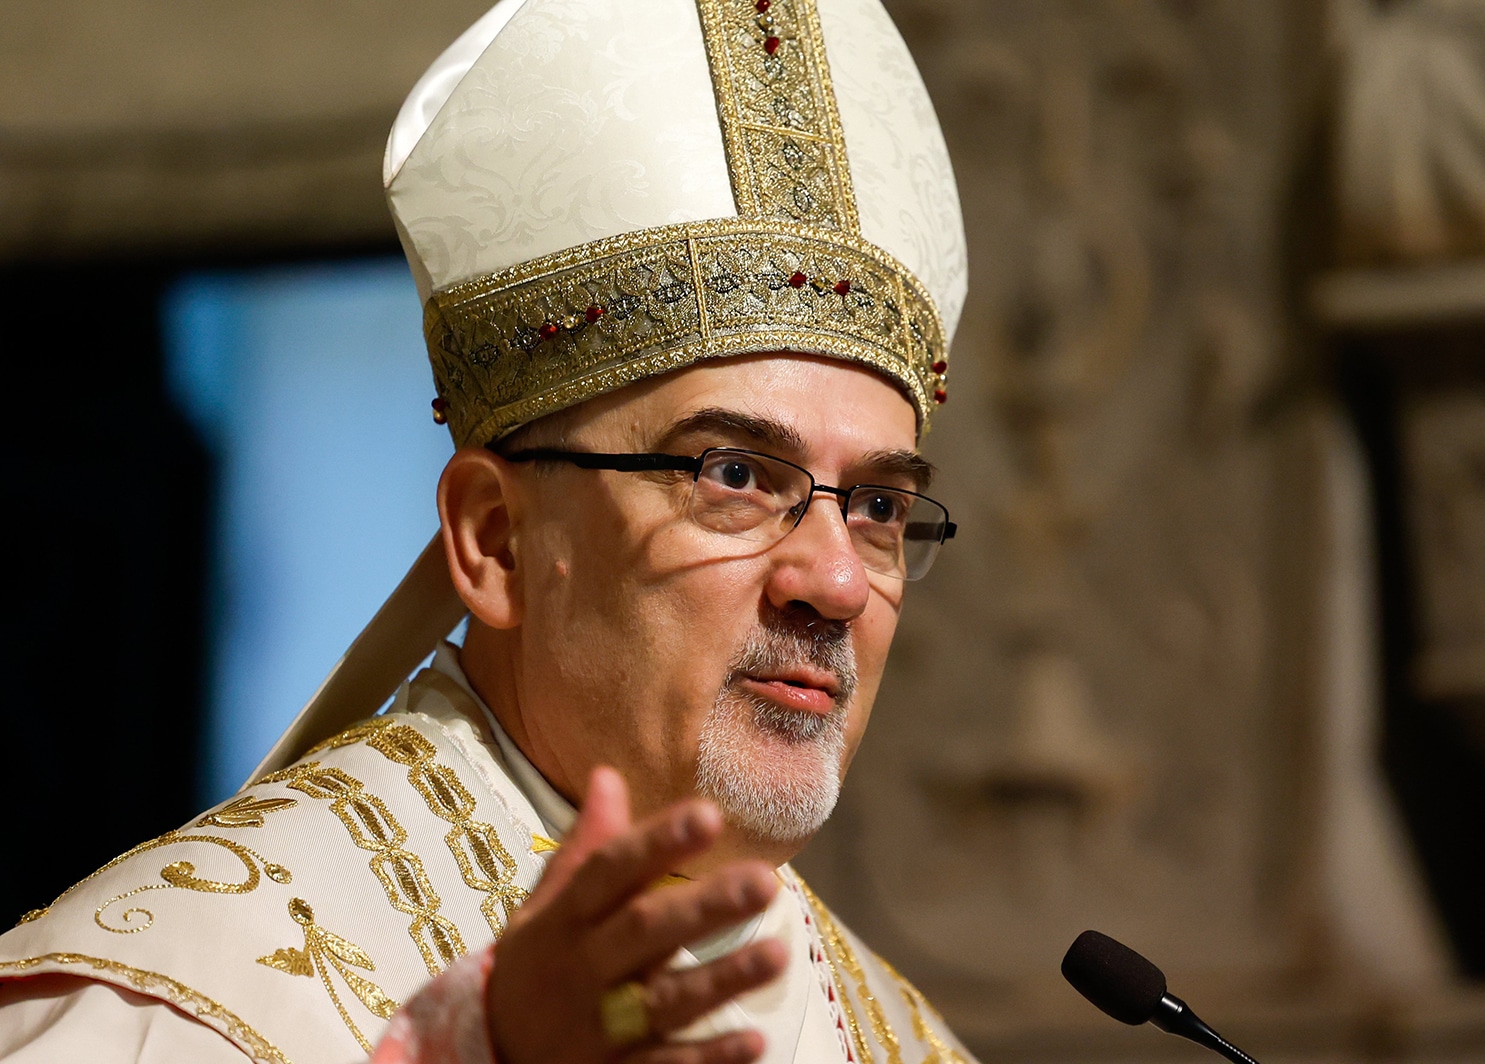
758, 498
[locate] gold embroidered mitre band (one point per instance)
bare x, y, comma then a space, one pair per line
510, 348
586, 206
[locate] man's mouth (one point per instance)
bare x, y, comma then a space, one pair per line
807, 689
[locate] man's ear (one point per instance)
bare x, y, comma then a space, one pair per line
479, 526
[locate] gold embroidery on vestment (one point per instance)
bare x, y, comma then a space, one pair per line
373, 827
182, 875
189, 1001
673, 295
323, 951
244, 812
484, 863
841, 957
939, 1050
786, 154
350, 736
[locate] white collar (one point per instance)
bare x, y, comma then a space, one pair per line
555, 811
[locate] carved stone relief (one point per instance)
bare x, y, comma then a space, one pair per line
1411, 113
1444, 452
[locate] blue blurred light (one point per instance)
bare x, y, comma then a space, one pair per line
311, 387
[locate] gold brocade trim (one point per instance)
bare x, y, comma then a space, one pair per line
842, 958
552, 332
324, 951
940, 1051
484, 862
786, 153
401, 873
160, 986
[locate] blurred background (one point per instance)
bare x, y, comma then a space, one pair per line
1206, 668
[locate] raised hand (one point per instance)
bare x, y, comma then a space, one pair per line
596, 935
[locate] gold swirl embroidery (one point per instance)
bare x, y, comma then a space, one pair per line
786, 153
841, 957
244, 812
182, 875
189, 1001
401, 873
674, 295
324, 951
230, 817
484, 862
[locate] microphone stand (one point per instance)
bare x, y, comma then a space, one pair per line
1174, 1016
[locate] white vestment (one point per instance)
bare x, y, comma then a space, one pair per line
288, 923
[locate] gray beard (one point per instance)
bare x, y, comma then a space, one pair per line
778, 806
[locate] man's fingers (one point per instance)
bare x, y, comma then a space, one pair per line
679, 996
603, 817
737, 1047
653, 925
625, 865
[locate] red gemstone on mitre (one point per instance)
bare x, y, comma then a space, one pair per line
798, 279
548, 330
940, 396
940, 366
440, 411
763, 5
593, 313
771, 45
842, 287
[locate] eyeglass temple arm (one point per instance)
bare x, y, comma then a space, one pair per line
621, 463
929, 530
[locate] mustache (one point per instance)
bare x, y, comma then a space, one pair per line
782, 641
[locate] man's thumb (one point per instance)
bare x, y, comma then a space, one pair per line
604, 815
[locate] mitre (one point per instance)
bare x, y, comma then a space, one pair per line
592, 192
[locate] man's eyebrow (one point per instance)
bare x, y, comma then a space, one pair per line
909, 464
733, 425
778, 438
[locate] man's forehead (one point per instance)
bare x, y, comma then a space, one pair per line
793, 404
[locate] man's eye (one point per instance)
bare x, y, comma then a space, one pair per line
737, 474
882, 507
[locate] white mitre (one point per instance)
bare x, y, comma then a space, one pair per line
592, 192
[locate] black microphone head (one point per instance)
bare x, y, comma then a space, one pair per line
1114, 977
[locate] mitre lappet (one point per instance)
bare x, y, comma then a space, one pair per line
592, 192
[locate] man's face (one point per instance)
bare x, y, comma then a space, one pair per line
691, 660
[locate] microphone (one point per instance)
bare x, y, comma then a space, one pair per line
1132, 990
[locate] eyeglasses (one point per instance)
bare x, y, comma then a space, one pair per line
760, 498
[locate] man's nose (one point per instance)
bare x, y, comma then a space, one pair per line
817, 564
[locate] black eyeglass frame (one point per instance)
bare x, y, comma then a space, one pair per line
652, 462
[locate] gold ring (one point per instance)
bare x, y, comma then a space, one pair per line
625, 1011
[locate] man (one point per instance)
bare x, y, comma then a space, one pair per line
689, 270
